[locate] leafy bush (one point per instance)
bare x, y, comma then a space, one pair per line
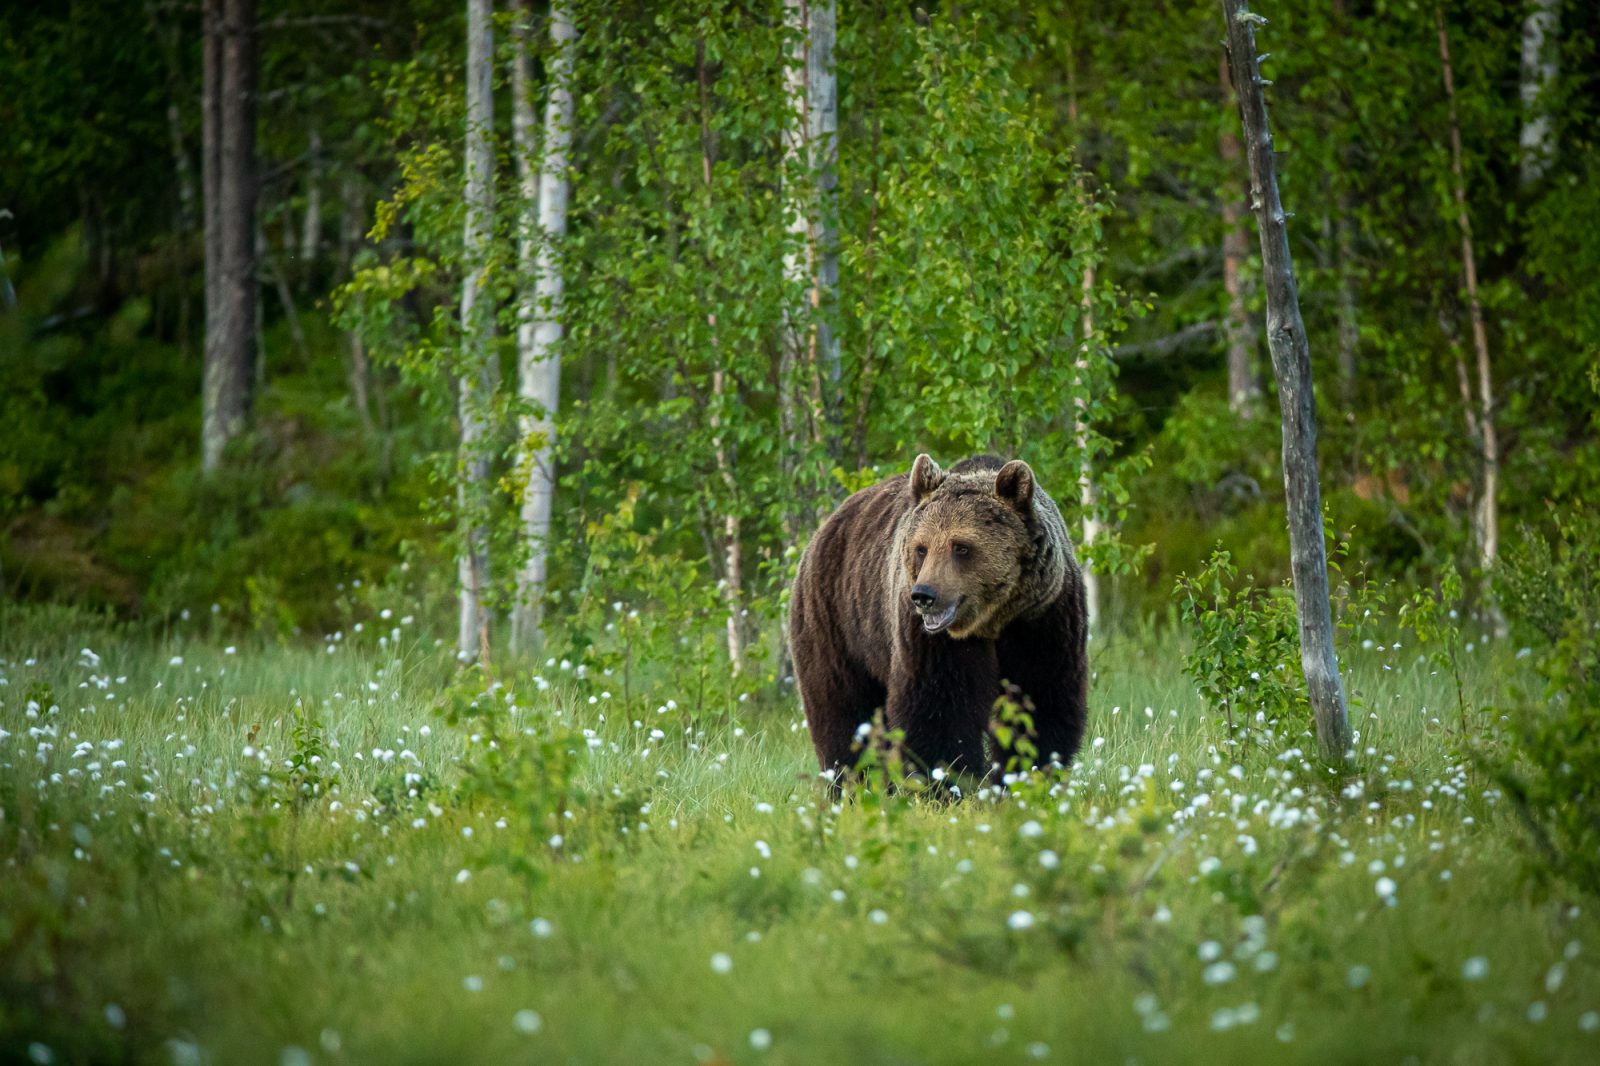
1550, 589
1246, 648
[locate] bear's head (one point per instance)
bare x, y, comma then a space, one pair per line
966, 546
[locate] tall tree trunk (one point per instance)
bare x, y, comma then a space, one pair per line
475, 389
810, 366
360, 371
1541, 61
231, 301
167, 33
539, 325
1291, 363
732, 532
1244, 388
270, 267
1486, 512
311, 230
1087, 496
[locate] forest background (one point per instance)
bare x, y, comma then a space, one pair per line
411, 415
1026, 232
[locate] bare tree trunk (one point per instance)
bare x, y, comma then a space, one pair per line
231, 224
350, 214
1486, 512
1291, 362
732, 533
1541, 61
280, 281
810, 364
182, 171
311, 231
1244, 389
539, 325
1087, 496
475, 389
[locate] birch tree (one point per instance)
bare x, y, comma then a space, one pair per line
1291, 363
811, 365
1541, 53
539, 320
732, 520
230, 180
475, 385
1480, 422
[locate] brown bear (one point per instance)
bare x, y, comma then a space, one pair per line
926, 592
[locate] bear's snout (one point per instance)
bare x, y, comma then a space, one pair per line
923, 596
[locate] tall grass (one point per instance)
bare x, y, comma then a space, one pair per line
270, 854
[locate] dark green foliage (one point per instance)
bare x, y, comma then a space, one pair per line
1550, 586
991, 156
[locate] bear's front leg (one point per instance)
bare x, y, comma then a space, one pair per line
1047, 658
941, 692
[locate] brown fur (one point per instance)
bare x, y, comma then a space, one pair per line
987, 552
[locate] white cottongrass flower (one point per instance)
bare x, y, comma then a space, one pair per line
1031, 829
878, 917
1020, 920
527, 1021
1358, 976
1475, 968
1049, 859
1218, 973
1209, 950
1385, 887
472, 983
760, 1039
722, 962
541, 927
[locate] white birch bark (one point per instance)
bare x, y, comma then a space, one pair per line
811, 151
732, 526
539, 324
476, 384
1087, 497
1541, 60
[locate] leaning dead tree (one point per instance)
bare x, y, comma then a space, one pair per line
1291, 364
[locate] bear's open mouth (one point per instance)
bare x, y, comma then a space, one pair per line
935, 623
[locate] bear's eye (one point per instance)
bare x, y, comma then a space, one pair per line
960, 550
922, 551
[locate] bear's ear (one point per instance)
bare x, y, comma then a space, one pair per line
1014, 484
925, 477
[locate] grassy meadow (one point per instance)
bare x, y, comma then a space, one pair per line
351, 852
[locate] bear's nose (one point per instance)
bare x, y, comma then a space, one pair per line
923, 595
